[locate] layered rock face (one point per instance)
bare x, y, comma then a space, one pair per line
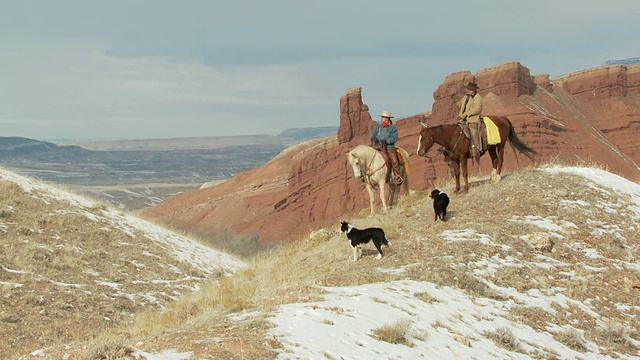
590, 117
306, 187
355, 120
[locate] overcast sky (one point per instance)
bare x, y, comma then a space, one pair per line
159, 69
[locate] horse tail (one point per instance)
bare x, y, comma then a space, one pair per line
407, 172
516, 144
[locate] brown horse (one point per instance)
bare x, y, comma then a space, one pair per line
456, 147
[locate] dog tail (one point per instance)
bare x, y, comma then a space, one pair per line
385, 242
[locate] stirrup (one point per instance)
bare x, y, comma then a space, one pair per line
399, 180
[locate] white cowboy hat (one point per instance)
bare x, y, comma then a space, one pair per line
386, 114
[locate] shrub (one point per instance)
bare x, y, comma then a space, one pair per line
395, 333
504, 337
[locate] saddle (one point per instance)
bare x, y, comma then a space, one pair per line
483, 133
388, 163
401, 160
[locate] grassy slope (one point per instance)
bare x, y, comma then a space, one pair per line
294, 272
73, 271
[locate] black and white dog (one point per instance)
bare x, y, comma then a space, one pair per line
358, 237
440, 203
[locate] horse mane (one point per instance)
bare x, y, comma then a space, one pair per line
358, 151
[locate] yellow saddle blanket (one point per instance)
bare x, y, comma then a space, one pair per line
493, 133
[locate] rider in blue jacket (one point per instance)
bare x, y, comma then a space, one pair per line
383, 137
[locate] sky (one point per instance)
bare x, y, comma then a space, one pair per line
100, 70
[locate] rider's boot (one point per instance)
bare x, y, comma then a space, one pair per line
475, 154
393, 157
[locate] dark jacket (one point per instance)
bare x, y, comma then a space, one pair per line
389, 133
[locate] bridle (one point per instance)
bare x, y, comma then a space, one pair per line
370, 174
450, 152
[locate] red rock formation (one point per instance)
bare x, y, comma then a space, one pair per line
308, 186
596, 84
355, 120
590, 116
612, 97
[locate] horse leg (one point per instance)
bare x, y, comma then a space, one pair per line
382, 197
394, 189
396, 195
371, 198
390, 196
456, 173
494, 162
465, 174
499, 161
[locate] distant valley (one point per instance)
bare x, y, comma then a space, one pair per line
134, 174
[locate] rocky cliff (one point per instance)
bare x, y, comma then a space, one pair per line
590, 116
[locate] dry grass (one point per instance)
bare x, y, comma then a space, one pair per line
615, 334
394, 333
107, 348
241, 246
504, 337
68, 278
296, 272
572, 338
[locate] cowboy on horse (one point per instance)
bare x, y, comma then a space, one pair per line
384, 137
469, 117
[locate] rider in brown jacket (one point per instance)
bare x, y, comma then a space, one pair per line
470, 109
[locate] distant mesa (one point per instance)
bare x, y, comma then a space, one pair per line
308, 133
628, 61
137, 173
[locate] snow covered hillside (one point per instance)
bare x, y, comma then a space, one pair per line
543, 265
71, 267
573, 302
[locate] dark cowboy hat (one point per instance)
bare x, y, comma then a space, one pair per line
472, 86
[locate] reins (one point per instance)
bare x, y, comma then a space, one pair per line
369, 174
449, 152
432, 138
456, 144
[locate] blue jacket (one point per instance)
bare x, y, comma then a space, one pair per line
389, 133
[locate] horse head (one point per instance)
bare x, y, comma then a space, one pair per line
357, 165
425, 140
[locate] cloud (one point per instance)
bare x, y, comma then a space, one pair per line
164, 68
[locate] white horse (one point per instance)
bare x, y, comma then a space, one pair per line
369, 166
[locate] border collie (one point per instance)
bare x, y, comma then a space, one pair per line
440, 203
358, 237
